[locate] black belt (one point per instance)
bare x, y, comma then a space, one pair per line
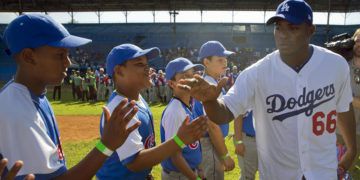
168, 171
149, 177
249, 135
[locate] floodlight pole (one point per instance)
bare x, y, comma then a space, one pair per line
328, 21
174, 13
345, 18
153, 16
72, 16
98, 14
20, 7
232, 16
265, 19
126, 16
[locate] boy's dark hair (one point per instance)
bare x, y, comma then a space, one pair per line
209, 58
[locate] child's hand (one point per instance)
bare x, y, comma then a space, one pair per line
240, 149
190, 132
228, 163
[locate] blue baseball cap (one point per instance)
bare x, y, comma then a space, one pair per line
213, 48
36, 30
293, 11
180, 65
124, 52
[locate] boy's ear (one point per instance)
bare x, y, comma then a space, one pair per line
27, 56
118, 70
172, 84
206, 61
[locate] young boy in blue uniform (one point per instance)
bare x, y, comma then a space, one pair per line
184, 164
216, 158
128, 65
28, 128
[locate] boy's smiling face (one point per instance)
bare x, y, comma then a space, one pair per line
216, 65
136, 72
178, 76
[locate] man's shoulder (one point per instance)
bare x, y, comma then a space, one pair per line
265, 61
261, 65
330, 57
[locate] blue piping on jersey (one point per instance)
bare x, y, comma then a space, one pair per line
53, 175
6, 85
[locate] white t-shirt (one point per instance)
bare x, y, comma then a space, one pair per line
295, 113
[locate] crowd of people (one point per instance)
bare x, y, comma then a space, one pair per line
288, 108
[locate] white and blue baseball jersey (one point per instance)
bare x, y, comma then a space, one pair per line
28, 132
295, 113
172, 118
141, 138
199, 108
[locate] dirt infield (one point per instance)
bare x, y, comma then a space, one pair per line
78, 128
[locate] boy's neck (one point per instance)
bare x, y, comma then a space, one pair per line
185, 98
36, 87
212, 74
131, 94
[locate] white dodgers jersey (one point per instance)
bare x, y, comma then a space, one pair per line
295, 113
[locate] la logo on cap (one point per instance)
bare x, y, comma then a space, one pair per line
285, 7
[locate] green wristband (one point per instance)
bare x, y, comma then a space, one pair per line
198, 178
102, 148
238, 142
179, 142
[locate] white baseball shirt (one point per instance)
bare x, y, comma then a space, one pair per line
295, 112
28, 132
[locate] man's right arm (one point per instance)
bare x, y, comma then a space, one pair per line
217, 111
356, 103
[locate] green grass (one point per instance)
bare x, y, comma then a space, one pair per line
68, 106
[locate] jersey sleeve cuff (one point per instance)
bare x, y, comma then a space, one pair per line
129, 159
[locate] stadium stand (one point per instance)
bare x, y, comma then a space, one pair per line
250, 41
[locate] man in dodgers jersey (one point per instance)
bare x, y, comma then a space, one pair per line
28, 128
298, 94
128, 65
184, 164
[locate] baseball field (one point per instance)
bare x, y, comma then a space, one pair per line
79, 130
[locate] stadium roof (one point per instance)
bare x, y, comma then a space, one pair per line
149, 5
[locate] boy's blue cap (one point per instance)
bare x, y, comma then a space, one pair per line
36, 30
124, 52
213, 48
293, 11
180, 65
